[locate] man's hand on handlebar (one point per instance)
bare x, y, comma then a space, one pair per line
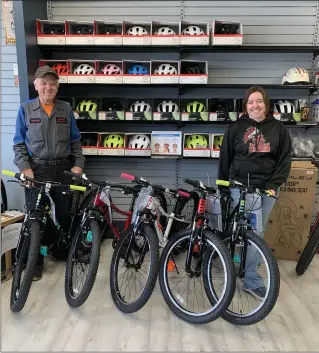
76, 170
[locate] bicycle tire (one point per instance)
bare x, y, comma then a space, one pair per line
230, 286
308, 252
17, 304
80, 299
274, 286
138, 304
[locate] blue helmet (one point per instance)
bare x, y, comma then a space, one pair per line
138, 70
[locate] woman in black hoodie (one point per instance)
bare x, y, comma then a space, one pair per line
256, 149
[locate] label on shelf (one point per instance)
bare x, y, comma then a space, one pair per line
165, 79
137, 40
137, 79
81, 79
111, 79
165, 40
227, 40
51, 40
89, 151
194, 40
193, 79
108, 40
79, 40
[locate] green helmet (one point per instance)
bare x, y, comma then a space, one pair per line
86, 106
195, 107
113, 141
218, 140
196, 141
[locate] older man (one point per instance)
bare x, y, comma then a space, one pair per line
47, 142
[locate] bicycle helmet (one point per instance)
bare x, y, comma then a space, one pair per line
139, 142
167, 107
164, 31
109, 29
138, 70
137, 31
113, 141
83, 29
111, 69
284, 106
86, 105
218, 140
195, 107
113, 106
296, 76
88, 142
84, 69
192, 31
60, 69
140, 106
165, 69
196, 141
194, 70
54, 29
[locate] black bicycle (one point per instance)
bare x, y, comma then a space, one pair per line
252, 257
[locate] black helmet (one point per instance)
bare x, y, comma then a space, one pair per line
226, 28
53, 29
109, 29
113, 106
83, 29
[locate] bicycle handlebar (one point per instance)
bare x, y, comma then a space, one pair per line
198, 184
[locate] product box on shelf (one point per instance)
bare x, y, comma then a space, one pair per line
85, 108
81, 71
89, 143
194, 109
137, 144
194, 33
165, 33
137, 33
139, 109
222, 109
166, 143
109, 72
50, 32
227, 33
196, 145
108, 33
111, 144
79, 33
111, 109
193, 72
166, 109
136, 72
59, 66
217, 140
285, 109
165, 71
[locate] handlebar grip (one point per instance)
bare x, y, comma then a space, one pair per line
194, 183
77, 188
128, 177
183, 194
8, 173
222, 182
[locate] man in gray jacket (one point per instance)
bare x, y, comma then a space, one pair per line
47, 142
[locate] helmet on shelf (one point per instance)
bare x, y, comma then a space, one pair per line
86, 105
217, 142
113, 106
140, 106
284, 106
111, 69
54, 29
137, 31
296, 76
88, 142
84, 69
139, 142
113, 141
165, 69
164, 31
138, 70
109, 29
195, 107
167, 107
60, 69
194, 70
226, 28
196, 141
83, 29
192, 31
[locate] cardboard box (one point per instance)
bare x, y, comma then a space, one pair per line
139, 109
158, 66
110, 72
198, 149
73, 37
193, 72
140, 39
227, 33
222, 109
45, 35
108, 33
60, 66
286, 109
166, 143
200, 39
217, 140
133, 141
162, 36
81, 78
89, 143
111, 109
119, 142
289, 222
129, 78
192, 110
85, 109
166, 109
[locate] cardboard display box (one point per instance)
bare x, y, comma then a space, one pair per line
88, 68
193, 72
141, 78
50, 32
189, 38
196, 148
89, 142
232, 36
166, 143
162, 36
79, 33
108, 33
137, 145
137, 39
59, 66
111, 144
289, 222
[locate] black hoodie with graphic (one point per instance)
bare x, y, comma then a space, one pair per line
262, 150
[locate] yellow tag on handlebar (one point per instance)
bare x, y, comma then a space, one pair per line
222, 182
8, 173
77, 188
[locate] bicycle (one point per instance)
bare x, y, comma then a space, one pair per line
194, 242
243, 245
32, 235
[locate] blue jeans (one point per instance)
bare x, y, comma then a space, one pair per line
252, 278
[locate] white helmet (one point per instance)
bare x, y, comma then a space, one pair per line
137, 31
111, 69
164, 31
284, 106
140, 106
165, 69
139, 142
192, 31
84, 69
167, 107
296, 75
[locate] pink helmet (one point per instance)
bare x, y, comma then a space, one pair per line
111, 69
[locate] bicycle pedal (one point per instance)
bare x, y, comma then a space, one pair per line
44, 250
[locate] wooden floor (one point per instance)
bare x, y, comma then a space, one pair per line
48, 324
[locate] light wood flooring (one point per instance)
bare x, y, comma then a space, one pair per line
48, 324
